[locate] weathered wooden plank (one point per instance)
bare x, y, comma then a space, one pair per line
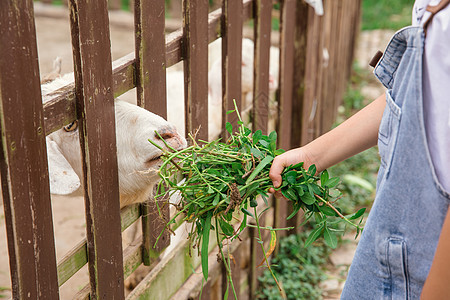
195, 21
151, 93
312, 78
298, 85
76, 258
23, 159
329, 57
94, 94
298, 95
231, 59
151, 55
72, 262
263, 27
115, 4
287, 36
152, 227
286, 80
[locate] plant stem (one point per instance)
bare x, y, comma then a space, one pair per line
264, 252
225, 262
270, 228
337, 212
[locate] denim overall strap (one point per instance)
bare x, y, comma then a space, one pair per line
397, 246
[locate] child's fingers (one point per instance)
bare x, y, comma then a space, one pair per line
275, 171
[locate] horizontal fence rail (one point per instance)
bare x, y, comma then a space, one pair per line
314, 64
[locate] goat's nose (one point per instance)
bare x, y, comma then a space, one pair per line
166, 134
171, 137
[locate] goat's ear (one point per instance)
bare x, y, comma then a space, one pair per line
63, 179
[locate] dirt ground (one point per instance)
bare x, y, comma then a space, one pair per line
53, 35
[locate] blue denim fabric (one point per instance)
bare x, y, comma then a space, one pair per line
397, 246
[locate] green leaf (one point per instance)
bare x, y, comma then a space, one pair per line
253, 202
245, 211
216, 199
264, 143
330, 238
296, 208
332, 182
312, 170
230, 112
311, 190
291, 177
299, 190
256, 153
326, 210
214, 172
297, 166
256, 136
324, 178
273, 136
205, 244
229, 127
268, 159
358, 214
290, 194
308, 199
264, 196
227, 229
313, 236
279, 151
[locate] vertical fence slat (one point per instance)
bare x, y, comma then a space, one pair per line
263, 27
231, 59
329, 80
287, 29
286, 77
151, 93
115, 4
95, 103
195, 26
151, 55
300, 61
23, 161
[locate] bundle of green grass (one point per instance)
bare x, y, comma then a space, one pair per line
220, 183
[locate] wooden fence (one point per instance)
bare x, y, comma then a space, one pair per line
315, 61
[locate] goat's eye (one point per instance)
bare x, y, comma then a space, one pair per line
71, 127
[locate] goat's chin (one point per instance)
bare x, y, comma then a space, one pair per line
138, 196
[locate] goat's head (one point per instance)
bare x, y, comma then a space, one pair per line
137, 158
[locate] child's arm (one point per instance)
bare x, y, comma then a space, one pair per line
437, 285
356, 134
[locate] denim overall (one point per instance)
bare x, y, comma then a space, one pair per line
398, 243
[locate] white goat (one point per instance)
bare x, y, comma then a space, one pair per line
135, 155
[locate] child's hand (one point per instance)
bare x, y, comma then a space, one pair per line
284, 160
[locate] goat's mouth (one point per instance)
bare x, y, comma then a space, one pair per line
153, 162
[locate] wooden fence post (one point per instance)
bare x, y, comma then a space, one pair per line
231, 59
285, 109
263, 26
151, 93
23, 159
195, 28
95, 106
